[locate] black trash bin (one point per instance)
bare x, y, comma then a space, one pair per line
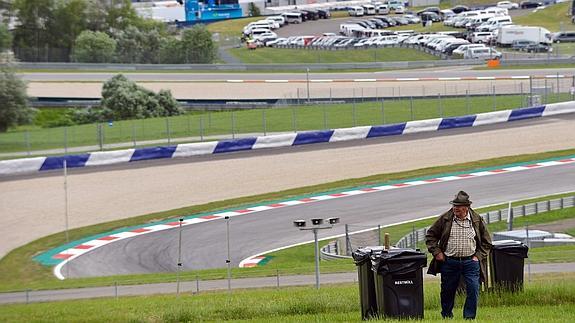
506, 265
399, 282
362, 258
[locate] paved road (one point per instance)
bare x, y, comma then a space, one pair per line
211, 285
204, 244
110, 193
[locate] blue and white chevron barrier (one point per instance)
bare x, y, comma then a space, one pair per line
31, 165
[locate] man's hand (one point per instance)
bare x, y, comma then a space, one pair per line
440, 257
475, 258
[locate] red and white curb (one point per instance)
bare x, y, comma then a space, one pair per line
81, 249
405, 79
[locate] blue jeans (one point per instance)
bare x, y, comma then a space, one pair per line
451, 271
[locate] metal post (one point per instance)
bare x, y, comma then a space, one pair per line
330, 96
228, 261
179, 257
298, 95
557, 91
529, 247
509, 217
411, 106
233, 125
201, 128
546, 91
197, 283
379, 234
530, 88
440, 107
382, 112
307, 82
347, 241
116, 289
168, 130
134, 133
189, 124
100, 136
264, 124
66, 207
325, 117
413, 237
27, 296
316, 258
278, 278
293, 119
66, 140
573, 88
494, 99
27, 138
467, 106
522, 97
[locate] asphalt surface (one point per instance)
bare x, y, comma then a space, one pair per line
204, 244
188, 287
455, 71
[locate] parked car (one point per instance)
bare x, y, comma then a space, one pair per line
563, 36
399, 10
482, 53
538, 48
463, 48
382, 9
430, 16
507, 5
324, 13
429, 9
459, 9
530, 4
413, 19
482, 37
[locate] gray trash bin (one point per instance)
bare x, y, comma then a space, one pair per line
398, 280
507, 259
368, 301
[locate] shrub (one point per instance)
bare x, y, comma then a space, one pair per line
94, 47
14, 108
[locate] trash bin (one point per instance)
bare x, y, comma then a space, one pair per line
362, 259
399, 282
506, 265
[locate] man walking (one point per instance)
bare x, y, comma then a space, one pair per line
460, 243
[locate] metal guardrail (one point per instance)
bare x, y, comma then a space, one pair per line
329, 252
294, 67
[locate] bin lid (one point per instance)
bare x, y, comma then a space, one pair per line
361, 255
398, 261
511, 248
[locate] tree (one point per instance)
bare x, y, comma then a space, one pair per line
31, 37
69, 20
139, 46
14, 108
126, 100
5, 38
254, 11
198, 46
94, 47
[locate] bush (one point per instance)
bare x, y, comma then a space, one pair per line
254, 11
94, 47
195, 47
14, 108
124, 99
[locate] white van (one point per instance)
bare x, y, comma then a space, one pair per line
368, 9
482, 53
490, 24
356, 11
279, 19
382, 9
293, 17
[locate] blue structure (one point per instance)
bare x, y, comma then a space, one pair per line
213, 10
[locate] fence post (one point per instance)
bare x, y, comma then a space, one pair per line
66, 140
27, 296
411, 106
379, 234
277, 278
100, 132
522, 96
116, 290
264, 122
494, 99
197, 283
168, 130
440, 107
293, 119
347, 241
467, 102
382, 112
325, 116
27, 140
233, 116
557, 88
546, 91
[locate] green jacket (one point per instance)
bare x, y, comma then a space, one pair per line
438, 234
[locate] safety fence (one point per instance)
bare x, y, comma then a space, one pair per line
358, 236
320, 108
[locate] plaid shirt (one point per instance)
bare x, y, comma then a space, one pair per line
462, 238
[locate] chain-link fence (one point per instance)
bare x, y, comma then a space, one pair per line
322, 108
360, 236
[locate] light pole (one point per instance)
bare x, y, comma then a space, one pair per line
317, 224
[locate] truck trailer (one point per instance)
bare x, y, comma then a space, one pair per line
508, 34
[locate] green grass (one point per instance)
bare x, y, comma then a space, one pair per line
281, 119
548, 298
18, 271
286, 56
553, 18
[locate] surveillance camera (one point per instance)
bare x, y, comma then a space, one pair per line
332, 220
299, 223
316, 221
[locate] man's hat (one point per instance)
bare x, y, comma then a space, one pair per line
461, 198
